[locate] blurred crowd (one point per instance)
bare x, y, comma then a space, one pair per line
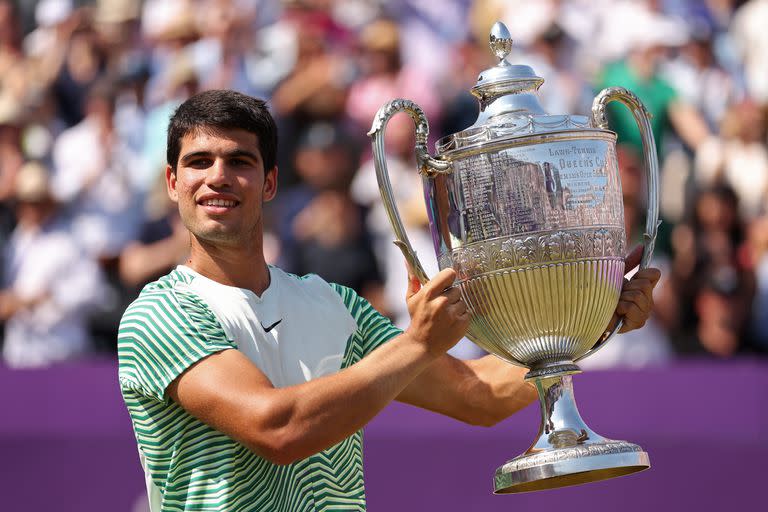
87, 88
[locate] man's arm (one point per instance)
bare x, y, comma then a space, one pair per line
480, 392
229, 393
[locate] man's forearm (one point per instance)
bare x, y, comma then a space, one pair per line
305, 419
480, 392
502, 386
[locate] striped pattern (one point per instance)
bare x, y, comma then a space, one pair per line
197, 468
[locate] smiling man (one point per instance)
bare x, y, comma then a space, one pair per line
247, 386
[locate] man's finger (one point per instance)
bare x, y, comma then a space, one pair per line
444, 279
650, 274
633, 259
453, 295
634, 318
633, 298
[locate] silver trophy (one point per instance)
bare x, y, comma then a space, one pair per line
527, 208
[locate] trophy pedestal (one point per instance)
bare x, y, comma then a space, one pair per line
567, 452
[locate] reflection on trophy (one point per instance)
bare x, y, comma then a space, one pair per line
527, 208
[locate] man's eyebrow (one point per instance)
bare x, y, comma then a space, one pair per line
229, 154
241, 152
195, 154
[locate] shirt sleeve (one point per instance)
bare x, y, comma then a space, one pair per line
162, 334
373, 328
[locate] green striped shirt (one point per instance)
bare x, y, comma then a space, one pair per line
189, 465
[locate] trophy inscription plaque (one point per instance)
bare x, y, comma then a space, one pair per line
527, 208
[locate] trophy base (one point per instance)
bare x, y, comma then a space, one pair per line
561, 467
566, 451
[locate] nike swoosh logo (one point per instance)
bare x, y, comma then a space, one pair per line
267, 329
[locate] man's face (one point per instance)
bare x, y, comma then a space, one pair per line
220, 185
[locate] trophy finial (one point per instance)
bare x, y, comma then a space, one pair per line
500, 41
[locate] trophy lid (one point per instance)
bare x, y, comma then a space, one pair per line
509, 103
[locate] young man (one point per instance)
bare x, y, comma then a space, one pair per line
247, 387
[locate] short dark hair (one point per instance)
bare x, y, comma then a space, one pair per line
224, 110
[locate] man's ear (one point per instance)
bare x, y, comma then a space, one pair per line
170, 182
270, 184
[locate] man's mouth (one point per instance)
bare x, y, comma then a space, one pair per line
218, 205
226, 203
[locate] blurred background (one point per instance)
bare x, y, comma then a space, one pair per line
86, 91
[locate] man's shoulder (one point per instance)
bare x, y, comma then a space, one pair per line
164, 331
174, 281
168, 293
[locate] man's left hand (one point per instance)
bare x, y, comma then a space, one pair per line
636, 299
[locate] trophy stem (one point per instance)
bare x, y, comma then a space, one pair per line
561, 423
566, 451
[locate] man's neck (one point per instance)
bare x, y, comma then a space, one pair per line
232, 266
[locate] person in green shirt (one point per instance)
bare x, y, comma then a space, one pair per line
639, 73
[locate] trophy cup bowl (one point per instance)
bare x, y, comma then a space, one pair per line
527, 208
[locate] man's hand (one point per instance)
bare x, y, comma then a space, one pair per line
636, 299
439, 317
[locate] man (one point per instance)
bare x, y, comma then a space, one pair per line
247, 386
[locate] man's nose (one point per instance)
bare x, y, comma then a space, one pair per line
218, 174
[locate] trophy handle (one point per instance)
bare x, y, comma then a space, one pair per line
643, 120
428, 166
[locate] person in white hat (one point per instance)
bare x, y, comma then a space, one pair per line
50, 288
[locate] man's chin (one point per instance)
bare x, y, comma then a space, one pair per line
214, 232
218, 235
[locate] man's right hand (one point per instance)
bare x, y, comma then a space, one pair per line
439, 317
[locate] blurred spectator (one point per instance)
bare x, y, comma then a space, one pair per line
640, 73
428, 30
83, 63
701, 81
317, 87
162, 243
751, 38
460, 108
118, 28
219, 56
169, 29
50, 286
320, 228
15, 70
94, 175
384, 77
738, 157
712, 280
758, 255
566, 91
11, 156
11, 159
722, 307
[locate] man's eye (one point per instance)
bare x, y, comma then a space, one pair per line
239, 162
200, 163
